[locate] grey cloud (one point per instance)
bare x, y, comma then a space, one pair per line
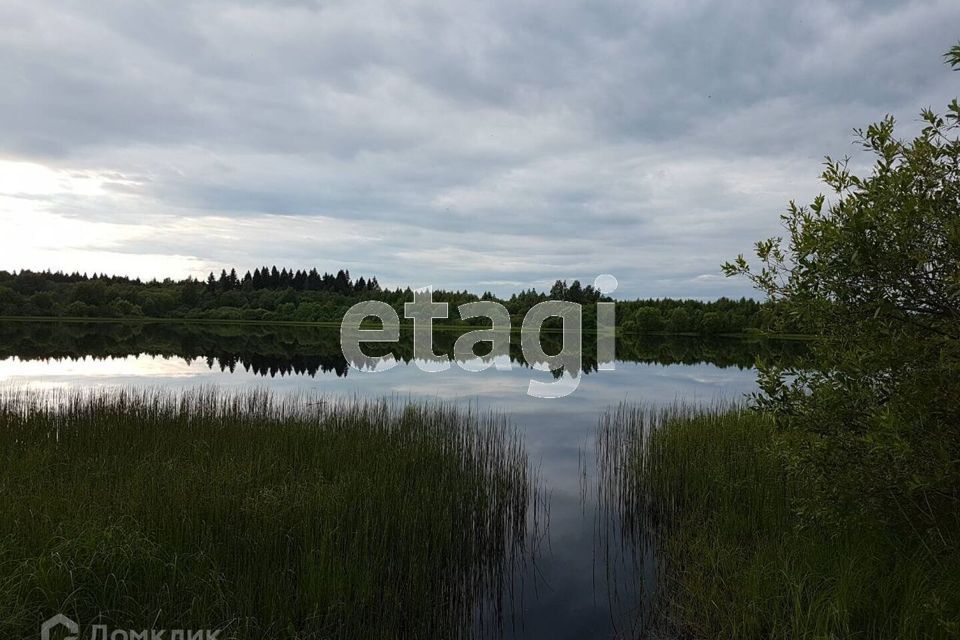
482, 143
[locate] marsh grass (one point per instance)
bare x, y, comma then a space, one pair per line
704, 492
262, 515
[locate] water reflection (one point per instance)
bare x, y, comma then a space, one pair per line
311, 351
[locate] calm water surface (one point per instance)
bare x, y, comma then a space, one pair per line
568, 593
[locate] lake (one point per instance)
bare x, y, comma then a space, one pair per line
570, 590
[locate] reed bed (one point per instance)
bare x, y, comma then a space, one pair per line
702, 499
263, 516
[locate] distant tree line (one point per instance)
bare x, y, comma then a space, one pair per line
272, 278
272, 294
720, 316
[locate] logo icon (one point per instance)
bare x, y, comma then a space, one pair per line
59, 620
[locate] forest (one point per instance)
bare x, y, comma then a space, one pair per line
269, 294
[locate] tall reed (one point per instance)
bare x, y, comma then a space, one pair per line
725, 553
262, 515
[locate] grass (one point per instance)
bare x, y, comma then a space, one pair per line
707, 489
263, 516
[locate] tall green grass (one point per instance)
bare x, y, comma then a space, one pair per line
264, 516
707, 490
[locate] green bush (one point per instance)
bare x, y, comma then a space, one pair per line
875, 272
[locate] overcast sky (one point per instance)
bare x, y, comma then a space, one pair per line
481, 145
